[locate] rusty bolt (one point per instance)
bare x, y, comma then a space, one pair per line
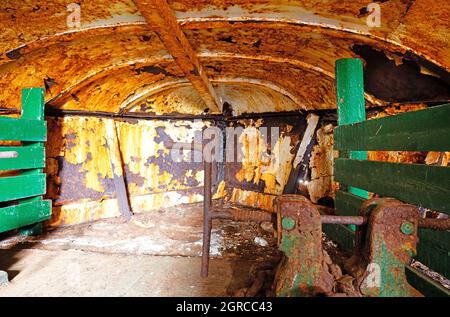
288, 223
407, 228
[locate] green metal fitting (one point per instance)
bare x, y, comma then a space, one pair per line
407, 228
288, 223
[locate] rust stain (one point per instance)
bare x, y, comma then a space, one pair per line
252, 199
321, 165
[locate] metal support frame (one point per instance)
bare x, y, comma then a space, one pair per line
210, 213
386, 239
303, 271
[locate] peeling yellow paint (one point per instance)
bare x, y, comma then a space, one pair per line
321, 164
252, 199
221, 192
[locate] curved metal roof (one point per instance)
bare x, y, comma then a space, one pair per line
159, 56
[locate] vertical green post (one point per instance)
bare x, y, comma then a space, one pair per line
32, 108
33, 103
350, 105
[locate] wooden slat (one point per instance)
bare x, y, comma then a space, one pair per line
433, 250
425, 284
22, 186
24, 214
418, 184
26, 157
23, 129
423, 130
348, 204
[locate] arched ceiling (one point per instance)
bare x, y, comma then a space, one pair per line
153, 56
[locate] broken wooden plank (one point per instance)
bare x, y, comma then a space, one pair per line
423, 130
159, 14
115, 157
311, 123
418, 184
424, 284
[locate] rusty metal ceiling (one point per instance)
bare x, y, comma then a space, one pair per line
159, 56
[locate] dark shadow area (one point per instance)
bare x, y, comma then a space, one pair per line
407, 81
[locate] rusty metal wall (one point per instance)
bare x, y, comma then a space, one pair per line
79, 171
266, 162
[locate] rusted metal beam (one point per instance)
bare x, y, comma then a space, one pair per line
158, 13
207, 220
435, 224
117, 169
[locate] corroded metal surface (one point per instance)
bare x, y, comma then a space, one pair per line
236, 39
303, 272
80, 175
159, 13
387, 245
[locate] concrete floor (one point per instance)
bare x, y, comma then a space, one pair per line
154, 254
79, 273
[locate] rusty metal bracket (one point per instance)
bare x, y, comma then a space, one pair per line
386, 240
303, 271
386, 246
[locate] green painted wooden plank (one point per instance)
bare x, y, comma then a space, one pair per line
433, 250
25, 157
33, 103
424, 284
342, 235
17, 216
423, 130
17, 187
348, 204
23, 129
350, 103
433, 247
418, 184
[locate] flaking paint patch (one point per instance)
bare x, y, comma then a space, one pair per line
88, 210
257, 165
252, 199
321, 165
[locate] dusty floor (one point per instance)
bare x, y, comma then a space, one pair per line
154, 254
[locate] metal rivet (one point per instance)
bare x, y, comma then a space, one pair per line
288, 223
407, 228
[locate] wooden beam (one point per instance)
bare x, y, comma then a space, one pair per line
418, 184
423, 130
158, 14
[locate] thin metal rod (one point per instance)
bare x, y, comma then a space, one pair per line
241, 215
435, 224
343, 220
207, 221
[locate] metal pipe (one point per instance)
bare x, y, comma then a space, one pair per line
242, 215
435, 224
207, 220
343, 220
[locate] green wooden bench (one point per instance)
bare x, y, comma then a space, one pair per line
21, 202
418, 184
